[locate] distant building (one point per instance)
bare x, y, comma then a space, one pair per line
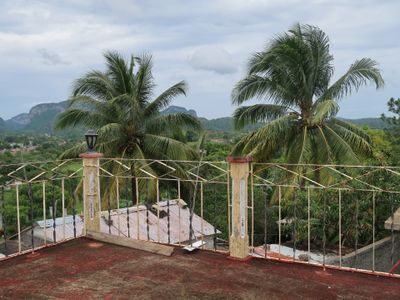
118, 225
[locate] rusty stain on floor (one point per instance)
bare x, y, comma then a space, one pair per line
86, 269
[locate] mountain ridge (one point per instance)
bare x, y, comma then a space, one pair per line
41, 118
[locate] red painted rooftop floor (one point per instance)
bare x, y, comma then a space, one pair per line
84, 269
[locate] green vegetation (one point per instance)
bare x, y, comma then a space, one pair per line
119, 104
294, 74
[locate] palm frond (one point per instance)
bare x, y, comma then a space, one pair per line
264, 142
357, 143
360, 73
172, 122
165, 98
165, 147
118, 72
299, 148
77, 117
144, 81
340, 147
256, 86
324, 110
257, 113
95, 84
352, 128
74, 151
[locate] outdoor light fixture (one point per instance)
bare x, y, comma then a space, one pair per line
91, 139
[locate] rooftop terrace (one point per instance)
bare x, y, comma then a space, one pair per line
306, 238
90, 269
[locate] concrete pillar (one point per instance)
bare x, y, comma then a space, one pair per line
91, 191
239, 239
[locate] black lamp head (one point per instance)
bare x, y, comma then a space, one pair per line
91, 139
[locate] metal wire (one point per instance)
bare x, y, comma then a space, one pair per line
31, 216
109, 205
340, 228
308, 225
127, 209
3, 213
265, 223
294, 221
53, 211
373, 232
356, 237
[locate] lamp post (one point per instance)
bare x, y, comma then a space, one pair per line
91, 139
91, 183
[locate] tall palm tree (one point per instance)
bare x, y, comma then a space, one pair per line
119, 103
293, 74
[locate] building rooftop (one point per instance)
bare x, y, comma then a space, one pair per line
90, 269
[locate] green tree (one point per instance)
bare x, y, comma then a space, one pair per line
294, 74
119, 103
392, 132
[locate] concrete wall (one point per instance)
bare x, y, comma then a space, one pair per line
208, 239
384, 259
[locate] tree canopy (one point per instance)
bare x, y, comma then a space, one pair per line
293, 75
120, 104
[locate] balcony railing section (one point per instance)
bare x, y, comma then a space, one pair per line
333, 216
40, 205
171, 202
342, 216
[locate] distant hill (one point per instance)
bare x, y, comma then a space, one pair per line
375, 123
2, 125
220, 124
41, 118
226, 124
178, 109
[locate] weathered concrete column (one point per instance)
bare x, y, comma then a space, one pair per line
91, 191
239, 239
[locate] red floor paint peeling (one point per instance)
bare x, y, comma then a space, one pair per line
85, 269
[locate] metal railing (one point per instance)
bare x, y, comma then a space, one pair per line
338, 216
170, 202
40, 204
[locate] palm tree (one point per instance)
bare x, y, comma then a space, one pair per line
119, 103
293, 74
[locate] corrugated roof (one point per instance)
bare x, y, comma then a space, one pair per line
158, 228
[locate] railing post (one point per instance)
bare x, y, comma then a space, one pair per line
239, 238
91, 191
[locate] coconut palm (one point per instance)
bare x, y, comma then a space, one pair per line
293, 74
119, 104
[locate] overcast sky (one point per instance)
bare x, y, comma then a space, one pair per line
44, 45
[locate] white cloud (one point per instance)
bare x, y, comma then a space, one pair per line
207, 43
213, 59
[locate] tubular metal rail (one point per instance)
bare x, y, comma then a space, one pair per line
341, 216
338, 216
39, 205
164, 201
